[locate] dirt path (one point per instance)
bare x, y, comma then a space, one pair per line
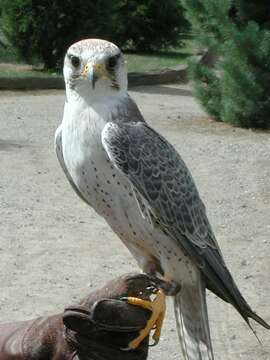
52, 246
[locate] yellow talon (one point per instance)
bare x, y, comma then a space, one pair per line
158, 308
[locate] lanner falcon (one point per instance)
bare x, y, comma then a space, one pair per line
138, 183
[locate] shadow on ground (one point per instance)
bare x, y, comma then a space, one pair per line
162, 90
9, 145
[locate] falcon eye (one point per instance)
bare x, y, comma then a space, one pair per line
75, 61
112, 61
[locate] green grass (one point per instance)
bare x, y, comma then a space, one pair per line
156, 61
136, 62
26, 73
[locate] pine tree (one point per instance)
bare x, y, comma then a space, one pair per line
235, 86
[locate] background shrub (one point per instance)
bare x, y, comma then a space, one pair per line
43, 29
235, 87
149, 25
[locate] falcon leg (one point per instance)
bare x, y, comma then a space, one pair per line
152, 268
170, 287
158, 308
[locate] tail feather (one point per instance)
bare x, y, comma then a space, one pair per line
247, 313
234, 296
251, 314
192, 322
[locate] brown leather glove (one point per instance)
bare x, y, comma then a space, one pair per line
100, 327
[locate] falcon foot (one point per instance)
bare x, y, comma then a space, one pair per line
158, 308
169, 288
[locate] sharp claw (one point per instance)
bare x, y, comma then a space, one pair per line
152, 288
154, 343
157, 307
128, 348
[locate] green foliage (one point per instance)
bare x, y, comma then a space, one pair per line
148, 25
206, 87
236, 88
245, 84
43, 29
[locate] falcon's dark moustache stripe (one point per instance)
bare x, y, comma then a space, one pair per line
114, 84
72, 82
111, 66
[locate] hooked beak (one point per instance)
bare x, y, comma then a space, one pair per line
93, 72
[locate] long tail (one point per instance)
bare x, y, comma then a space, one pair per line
192, 322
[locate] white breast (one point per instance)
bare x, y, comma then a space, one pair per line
83, 153
109, 192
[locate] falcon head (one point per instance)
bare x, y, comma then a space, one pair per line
94, 66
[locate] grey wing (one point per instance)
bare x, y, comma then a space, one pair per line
59, 154
161, 177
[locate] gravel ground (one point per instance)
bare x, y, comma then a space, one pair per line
53, 249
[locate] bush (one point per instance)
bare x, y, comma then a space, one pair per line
149, 25
42, 29
235, 88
